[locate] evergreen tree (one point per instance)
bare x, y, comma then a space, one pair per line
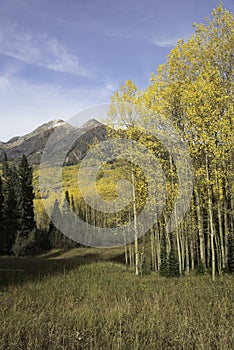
68, 212
163, 254
173, 264
169, 262
67, 201
5, 167
200, 268
231, 254
55, 215
25, 245
25, 198
2, 235
73, 204
67, 197
10, 210
56, 238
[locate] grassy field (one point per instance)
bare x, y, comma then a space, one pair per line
86, 299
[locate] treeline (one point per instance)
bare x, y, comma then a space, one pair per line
19, 234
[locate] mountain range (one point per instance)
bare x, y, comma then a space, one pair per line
58, 132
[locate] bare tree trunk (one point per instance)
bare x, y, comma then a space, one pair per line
187, 252
219, 254
125, 250
192, 254
133, 257
212, 253
220, 221
182, 236
211, 220
208, 242
226, 230
130, 256
178, 250
153, 255
200, 228
158, 247
135, 224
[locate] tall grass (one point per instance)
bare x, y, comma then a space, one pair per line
102, 305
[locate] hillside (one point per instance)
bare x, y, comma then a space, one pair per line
33, 144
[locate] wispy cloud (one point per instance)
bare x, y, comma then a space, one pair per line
165, 42
39, 49
25, 105
170, 41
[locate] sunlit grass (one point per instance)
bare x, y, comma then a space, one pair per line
82, 299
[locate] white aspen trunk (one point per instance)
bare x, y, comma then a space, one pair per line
219, 259
133, 257
158, 247
152, 250
208, 243
200, 228
212, 233
125, 250
221, 236
187, 253
178, 250
182, 237
130, 255
226, 231
135, 224
192, 255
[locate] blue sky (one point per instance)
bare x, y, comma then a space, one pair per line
60, 57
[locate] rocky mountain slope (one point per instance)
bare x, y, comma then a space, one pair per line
59, 133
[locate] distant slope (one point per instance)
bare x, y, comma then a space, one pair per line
33, 144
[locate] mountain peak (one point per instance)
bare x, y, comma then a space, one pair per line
91, 123
49, 125
57, 122
33, 144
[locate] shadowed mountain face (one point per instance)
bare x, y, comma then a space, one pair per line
59, 133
